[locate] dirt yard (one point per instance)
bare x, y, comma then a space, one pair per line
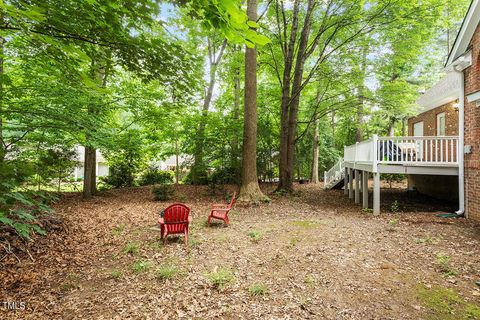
313, 255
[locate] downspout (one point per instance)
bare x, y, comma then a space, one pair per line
461, 141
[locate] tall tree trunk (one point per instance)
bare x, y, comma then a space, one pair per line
404, 127
314, 177
250, 190
99, 72
285, 172
199, 168
391, 127
236, 117
287, 182
89, 176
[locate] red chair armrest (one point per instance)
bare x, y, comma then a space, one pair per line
161, 221
190, 219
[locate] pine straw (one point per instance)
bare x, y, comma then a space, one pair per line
319, 256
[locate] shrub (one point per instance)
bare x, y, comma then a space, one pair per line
120, 175
163, 192
20, 209
155, 176
226, 175
221, 277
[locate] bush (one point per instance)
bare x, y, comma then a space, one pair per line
120, 175
226, 175
20, 210
163, 192
155, 176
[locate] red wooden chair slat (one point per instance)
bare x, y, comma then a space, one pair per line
175, 220
220, 211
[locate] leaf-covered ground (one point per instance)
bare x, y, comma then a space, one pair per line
314, 255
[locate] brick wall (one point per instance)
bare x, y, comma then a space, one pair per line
429, 119
472, 133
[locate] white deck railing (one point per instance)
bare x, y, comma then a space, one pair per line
405, 150
335, 173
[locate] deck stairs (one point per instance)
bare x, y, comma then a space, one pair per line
334, 178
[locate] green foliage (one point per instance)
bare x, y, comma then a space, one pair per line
141, 266
445, 303
21, 209
221, 277
167, 271
163, 192
443, 262
156, 176
255, 236
258, 289
226, 175
395, 207
116, 274
131, 248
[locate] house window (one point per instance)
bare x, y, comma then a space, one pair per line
418, 129
441, 124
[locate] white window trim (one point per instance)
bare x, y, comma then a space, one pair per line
444, 116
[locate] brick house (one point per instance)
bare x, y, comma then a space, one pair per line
441, 155
438, 118
442, 108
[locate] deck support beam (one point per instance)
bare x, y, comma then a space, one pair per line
357, 186
376, 193
365, 189
345, 182
350, 183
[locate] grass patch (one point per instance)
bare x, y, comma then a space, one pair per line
167, 271
255, 236
116, 274
446, 304
310, 280
367, 210
305, 224
443, 262
427, 240
258, 289
118, 230
222, 238
131, 248
293, 242
221, 278
141, 266
194, 242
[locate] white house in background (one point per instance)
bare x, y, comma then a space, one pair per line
171, 162
101, 166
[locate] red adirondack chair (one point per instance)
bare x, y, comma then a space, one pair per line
220, 211
175, 220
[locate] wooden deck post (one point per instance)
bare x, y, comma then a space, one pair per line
365, 189
350, 183
376, 193
357, 186
345, 182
